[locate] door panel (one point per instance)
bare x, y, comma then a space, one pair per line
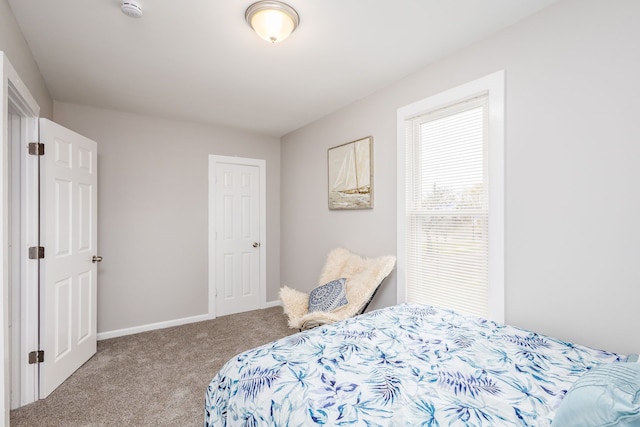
237, 222
62, 311
62, 213
69, 235
85, 297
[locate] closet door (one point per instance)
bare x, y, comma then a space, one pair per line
237, 245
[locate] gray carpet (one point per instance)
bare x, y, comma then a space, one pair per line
155, 378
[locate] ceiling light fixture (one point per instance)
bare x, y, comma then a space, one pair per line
272, 20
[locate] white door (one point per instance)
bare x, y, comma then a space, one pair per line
68, 282
237, 238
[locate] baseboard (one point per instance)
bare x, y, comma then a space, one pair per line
167, 324
275, 303
151, 327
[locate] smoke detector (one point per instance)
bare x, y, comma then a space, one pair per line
131, 8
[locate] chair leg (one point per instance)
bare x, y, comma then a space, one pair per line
364, 308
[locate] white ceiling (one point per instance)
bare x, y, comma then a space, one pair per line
198, 60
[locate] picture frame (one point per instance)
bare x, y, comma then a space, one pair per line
350, 175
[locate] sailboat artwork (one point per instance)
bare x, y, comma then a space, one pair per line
350, 175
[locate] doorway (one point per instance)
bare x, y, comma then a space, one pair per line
237, 235
21, 233
44, 308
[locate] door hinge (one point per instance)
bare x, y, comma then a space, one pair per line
36, 148
36, 357
36, 252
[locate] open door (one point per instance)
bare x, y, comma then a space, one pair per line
68, 276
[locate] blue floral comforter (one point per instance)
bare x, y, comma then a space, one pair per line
407, 365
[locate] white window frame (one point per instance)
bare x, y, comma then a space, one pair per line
493, 86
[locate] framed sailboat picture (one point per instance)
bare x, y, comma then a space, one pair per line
351, 175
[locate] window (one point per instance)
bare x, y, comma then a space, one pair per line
450, 199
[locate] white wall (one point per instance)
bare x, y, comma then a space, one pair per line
572, 175
153, 211
14, 45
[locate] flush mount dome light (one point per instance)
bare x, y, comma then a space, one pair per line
272, 20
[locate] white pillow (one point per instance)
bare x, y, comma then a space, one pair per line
606, 396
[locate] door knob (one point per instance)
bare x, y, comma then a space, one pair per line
96, 258
256, 244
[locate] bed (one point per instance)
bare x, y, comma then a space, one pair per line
402, 365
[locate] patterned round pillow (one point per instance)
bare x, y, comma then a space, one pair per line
329, 296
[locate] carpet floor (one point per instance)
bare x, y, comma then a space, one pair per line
155, 378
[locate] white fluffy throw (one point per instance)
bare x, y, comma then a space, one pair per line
363, 277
